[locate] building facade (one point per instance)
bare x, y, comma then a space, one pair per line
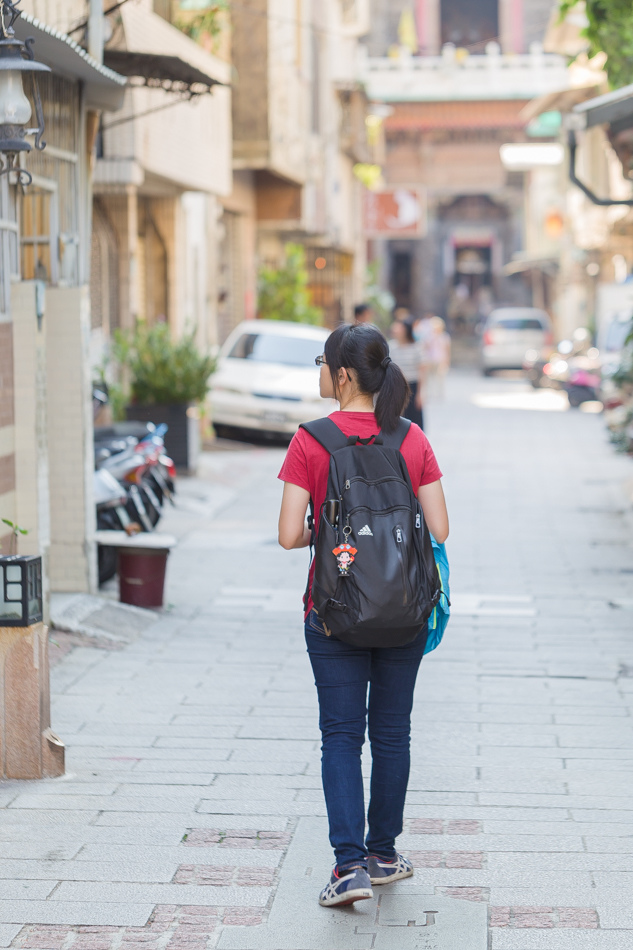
299, 130
46, 455
456, 89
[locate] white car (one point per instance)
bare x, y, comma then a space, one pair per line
509, 332
266, 379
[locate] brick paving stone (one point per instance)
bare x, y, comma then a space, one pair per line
463, 827
426, 826
466, 893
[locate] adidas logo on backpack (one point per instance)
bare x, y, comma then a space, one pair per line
379, 594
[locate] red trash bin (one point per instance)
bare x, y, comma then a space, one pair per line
142, 566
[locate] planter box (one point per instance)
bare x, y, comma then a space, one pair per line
182, 441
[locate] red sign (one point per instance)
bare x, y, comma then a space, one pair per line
395, 212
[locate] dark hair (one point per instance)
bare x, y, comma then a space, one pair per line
364, 349
408, 325
360, 309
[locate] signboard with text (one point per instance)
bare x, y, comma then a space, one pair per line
395, 212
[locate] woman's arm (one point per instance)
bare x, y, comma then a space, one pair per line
431, 497
293, 530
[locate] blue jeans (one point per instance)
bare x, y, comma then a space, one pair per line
342, 674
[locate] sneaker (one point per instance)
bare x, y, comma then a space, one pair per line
345, 887
382, 871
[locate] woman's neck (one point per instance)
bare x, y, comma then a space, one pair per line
356, 402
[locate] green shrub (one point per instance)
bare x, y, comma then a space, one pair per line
162, 371
283, 292
610, 30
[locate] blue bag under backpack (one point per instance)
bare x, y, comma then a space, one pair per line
442, 611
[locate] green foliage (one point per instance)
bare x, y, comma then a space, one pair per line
381, 301
16, 531
162, 371
207, 22
610, 31
283, 292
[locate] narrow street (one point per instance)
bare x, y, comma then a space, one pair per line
191, 815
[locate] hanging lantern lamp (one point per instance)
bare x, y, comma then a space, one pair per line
17, 63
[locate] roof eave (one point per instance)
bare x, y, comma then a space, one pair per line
104, 88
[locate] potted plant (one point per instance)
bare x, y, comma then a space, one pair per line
168, 380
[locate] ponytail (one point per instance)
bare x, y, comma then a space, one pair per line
393, 396
364, 349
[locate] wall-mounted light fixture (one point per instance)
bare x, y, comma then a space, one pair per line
17, 62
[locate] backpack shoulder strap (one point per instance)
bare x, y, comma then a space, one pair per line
326, 433
394, 440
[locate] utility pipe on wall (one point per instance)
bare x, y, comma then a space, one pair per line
95, 30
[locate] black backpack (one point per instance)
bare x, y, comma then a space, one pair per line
375, 581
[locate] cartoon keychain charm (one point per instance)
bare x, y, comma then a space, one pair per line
344, 554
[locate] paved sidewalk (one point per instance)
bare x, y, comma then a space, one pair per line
192, 801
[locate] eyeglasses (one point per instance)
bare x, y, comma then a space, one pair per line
320, 361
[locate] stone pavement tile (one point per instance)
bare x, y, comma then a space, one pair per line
220, 750
570, 826
558, 895
600, 814
8, 932
280, 804
157, 779
20, 890
147, 768
604, 845
487, 813
221, 816
506, 939
489, 843
565, 861
161, 894
296, 921
68, 786
89, 912
125, 854
51, 848
75, 803
44, 817
529, 800
68, 842
151, 870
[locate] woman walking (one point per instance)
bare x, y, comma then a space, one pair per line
410, 356
371, 390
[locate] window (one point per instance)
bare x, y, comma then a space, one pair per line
470, 23
9, 258
36, 235
270, 348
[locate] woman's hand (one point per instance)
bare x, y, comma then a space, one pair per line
293, 530
431, 497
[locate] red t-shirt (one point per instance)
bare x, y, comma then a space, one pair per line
307, 464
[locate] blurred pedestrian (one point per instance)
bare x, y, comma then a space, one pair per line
360, 686
363, 314
410, 355
423, 328
438, 355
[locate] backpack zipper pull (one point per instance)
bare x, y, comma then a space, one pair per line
418, 520
399, 535
348, 485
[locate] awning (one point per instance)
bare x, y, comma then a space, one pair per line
104, 88
614, 108
524, 263
160, 70
562, 101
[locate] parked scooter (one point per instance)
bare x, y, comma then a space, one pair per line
112, 515
573, 367
134, 455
